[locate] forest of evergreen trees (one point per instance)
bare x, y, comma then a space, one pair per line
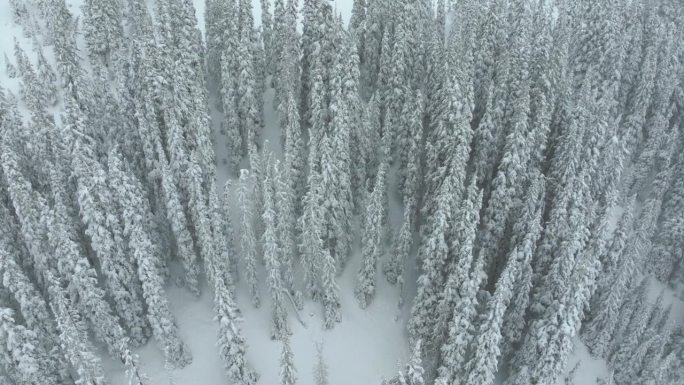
536, 148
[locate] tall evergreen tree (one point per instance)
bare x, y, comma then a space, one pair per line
129, 194
247, 237
374, 235
22, 350
271, 258
288, 372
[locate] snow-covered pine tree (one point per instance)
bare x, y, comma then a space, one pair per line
179, 224
527, 230
247, 237
271, 258
23, 353
394, 266
457, 306
73, 338
199, 212
232, 346
32, 211
247, 97
287, 231
103, 30
267, 36
320, 372
460, 241
364, 149
619, 267
218, 20
432, 257
31, 304
10, 69
228, 197
35, 98
106, 238
288, 372
330, 290
129, 194
410, 145
318, 264
229, 86
414, 373
310, 225
46, 76
622, 360
337, 176
482, 366
222, 232
357, 27
295, 154
516, 154
636, 106
669, 239
374, 234
279, 36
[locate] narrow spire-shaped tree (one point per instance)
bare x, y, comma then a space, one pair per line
179, 225
271, 259
23, 352
374, 233
247, 237
232, 346
129, 193
288, 372
74, 339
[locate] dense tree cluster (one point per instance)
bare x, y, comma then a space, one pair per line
535, 147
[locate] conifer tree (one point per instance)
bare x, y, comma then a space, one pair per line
31, 211
10, 69
74, 340
414, 372
410, 145
31, 305
247, 237
232, 346
319, 265
483, 364
199, 212
320, 372
229, 86
432, 254
129, 193
620, 269
528, 230
394, 267
457, 306
310, 224
286, 230
247, 96
47, 77
374, 234
288, 372
222, 231
179, 225
103, 30
295, 161
23, 351
267, 37
106, 235
271, 258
